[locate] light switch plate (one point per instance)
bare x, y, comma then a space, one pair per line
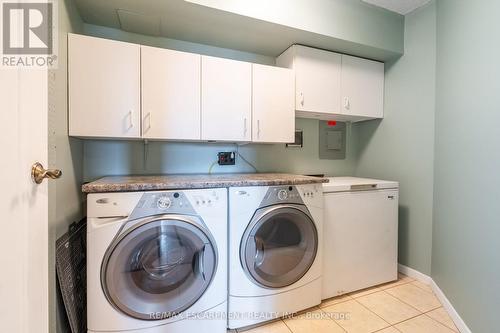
299, 140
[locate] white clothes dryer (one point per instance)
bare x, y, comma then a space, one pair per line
275, 251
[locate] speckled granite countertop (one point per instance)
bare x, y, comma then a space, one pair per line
171, 182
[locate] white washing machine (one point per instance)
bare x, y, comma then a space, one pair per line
157, 261
275, 246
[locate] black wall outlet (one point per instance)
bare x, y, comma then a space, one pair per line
226, 158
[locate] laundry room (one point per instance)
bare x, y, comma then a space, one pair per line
264, 166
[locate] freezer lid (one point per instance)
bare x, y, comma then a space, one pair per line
343, 184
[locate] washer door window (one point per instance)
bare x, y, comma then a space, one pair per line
279, 245
159, 268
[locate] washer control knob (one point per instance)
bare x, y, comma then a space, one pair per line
164, 202
282, 195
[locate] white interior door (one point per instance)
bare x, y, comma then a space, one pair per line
24, 206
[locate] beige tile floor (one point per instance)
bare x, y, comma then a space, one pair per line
403, 306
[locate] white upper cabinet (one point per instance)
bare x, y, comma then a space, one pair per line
334, 86
362, 87
104, 88
317, 78
226, 99
273, 114
123, 90
170, 94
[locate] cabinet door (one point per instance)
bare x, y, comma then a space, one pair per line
226, 98
318, 75
362, 87
273, 114
170, 94
104, 88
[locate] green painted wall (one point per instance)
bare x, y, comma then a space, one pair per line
466, 245
401, 146
65, 197
174, 44
259, 26
349, 20
123, 157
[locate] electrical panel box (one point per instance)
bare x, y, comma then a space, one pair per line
332, 140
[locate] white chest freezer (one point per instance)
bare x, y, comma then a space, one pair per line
360, 234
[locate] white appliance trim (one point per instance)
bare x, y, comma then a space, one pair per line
459, 322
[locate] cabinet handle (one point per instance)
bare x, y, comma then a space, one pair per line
347, 104
148, 116
258, 129
302, 99
245, 129
130, 119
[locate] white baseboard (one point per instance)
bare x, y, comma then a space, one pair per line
414, 274
462, 327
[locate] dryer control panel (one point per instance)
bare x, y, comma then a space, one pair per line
281, 194
312, 194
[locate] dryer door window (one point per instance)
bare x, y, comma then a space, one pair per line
159, 267
279, 246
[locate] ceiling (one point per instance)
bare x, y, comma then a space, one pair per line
191, 22
402, 7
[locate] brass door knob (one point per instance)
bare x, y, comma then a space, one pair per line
39, 173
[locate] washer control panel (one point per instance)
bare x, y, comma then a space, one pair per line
164, 202
154, 203
189, 202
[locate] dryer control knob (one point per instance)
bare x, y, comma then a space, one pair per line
282, 195
164, 203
